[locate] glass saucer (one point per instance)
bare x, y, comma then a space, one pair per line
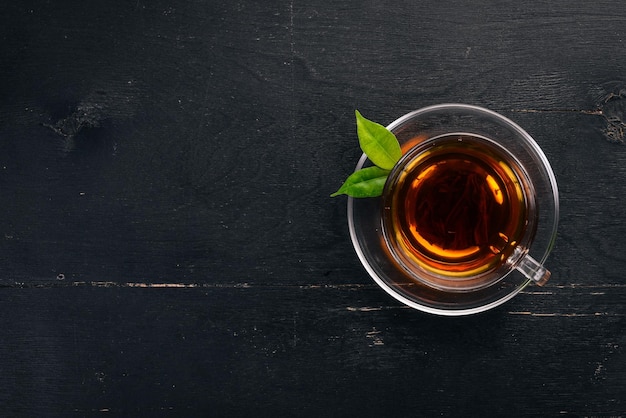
365, 214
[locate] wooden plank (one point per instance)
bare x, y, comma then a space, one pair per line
295, 350
163, 193
95, 238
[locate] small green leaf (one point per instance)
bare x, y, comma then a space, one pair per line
366, 182
377, 142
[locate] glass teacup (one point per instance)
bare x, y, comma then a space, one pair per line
467, 217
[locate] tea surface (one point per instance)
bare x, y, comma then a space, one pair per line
458, 209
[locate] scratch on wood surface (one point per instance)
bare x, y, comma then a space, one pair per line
591, 286
363, 309
594, 290
596, 293
374, 335
62, 282
160, 285
537, 293
336, 286
566, 315
597, 112
165, 285
374, 308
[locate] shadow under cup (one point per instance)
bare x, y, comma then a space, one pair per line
468, 215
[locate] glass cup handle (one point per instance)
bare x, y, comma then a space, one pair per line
530, 268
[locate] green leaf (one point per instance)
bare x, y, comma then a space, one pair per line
377, 142
382, 148
366, 182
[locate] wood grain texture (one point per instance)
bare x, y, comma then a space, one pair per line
167, 241
280, 350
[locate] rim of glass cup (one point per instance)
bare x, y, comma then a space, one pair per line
487, 306
483, 279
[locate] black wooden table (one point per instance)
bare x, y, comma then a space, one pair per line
168, 245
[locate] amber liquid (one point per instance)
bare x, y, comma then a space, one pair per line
458, 209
